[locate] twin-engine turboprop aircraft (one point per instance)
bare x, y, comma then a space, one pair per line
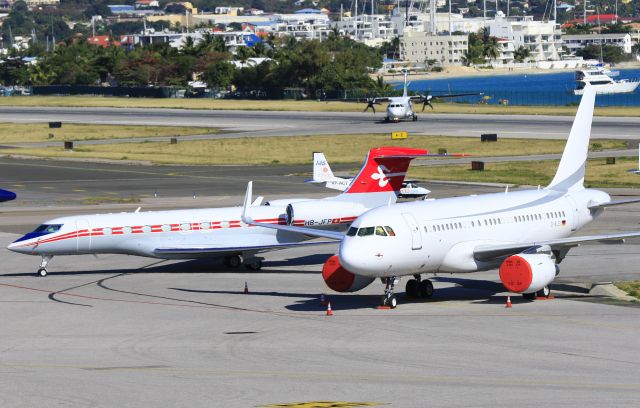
401, 107
524, 233
214, 232
322, 174
6, 195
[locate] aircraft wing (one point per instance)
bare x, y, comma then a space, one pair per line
429, 97
490, 252
197, 251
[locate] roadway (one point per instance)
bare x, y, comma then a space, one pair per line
264, 123
125, 331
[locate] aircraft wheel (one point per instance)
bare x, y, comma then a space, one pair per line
426, 289
544, 292
412, 288
232, 261
42, 272
392, 302
529, 296
254, 265
415, 117
386, 120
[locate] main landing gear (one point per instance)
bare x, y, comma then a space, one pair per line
544, 292
42, 270
234, 261
414, 117
417, 288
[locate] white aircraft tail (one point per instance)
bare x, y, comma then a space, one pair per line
321, 170
570, 173
405, 93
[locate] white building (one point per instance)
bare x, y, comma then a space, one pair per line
542, 38
578, 42
419, 47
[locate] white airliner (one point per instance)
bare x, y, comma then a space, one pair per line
215, 232
322, 174
401, 107
524, 233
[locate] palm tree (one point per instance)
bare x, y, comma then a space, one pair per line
381, 87
521, 54
491, 48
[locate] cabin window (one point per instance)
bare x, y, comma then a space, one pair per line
48, 228
205, 225
472, 224
146, 229
185, 227
166, 228
126, 230
107, 231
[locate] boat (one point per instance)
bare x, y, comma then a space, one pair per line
602, 82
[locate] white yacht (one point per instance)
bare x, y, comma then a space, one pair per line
602, 82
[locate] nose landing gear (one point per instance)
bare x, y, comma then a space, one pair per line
389, 299
42, 270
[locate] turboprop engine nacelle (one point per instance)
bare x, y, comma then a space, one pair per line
316, 213
528, 273
341, 280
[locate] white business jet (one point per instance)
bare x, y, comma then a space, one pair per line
219, 232
524, 233
401, 107
322, 174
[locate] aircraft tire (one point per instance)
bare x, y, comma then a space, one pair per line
254, 265
412, 288
415, 117
544, 292
42, 272
392, 302
426, 289
232, 261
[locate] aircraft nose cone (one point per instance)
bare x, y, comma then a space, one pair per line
18, 246
356, 257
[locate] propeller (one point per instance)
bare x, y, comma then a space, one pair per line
371, 102
426, 100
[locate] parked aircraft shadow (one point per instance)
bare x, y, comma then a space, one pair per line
196, 266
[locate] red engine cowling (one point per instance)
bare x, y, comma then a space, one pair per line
341, 280
527, 273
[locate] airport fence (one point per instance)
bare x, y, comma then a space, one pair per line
561, 97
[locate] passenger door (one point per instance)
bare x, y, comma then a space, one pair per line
414, 228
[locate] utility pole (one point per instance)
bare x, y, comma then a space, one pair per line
355, 21
450, 24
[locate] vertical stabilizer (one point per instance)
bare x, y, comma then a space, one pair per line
570, 173
405, 93
380, 178
321, 170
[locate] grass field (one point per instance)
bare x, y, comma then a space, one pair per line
296, 149
39, 132
599, 174
631, 287
291, 105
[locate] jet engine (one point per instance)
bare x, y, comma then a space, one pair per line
528, 273
341, 280
317, 213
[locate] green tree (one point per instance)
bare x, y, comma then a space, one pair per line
610, 53
491, 49
521, 54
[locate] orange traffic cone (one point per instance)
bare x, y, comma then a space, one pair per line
329, 311
246, 288
508, 305
323, 300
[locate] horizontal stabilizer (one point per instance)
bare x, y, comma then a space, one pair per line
614, 203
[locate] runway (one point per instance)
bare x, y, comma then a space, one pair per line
264, 123
127, 331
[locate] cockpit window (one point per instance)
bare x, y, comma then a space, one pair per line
352, 232
381, 231
363, 232
48, 228
390, 231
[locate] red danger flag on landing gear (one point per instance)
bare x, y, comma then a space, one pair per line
329, 311
508, 305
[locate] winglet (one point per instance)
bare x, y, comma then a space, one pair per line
247, 203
